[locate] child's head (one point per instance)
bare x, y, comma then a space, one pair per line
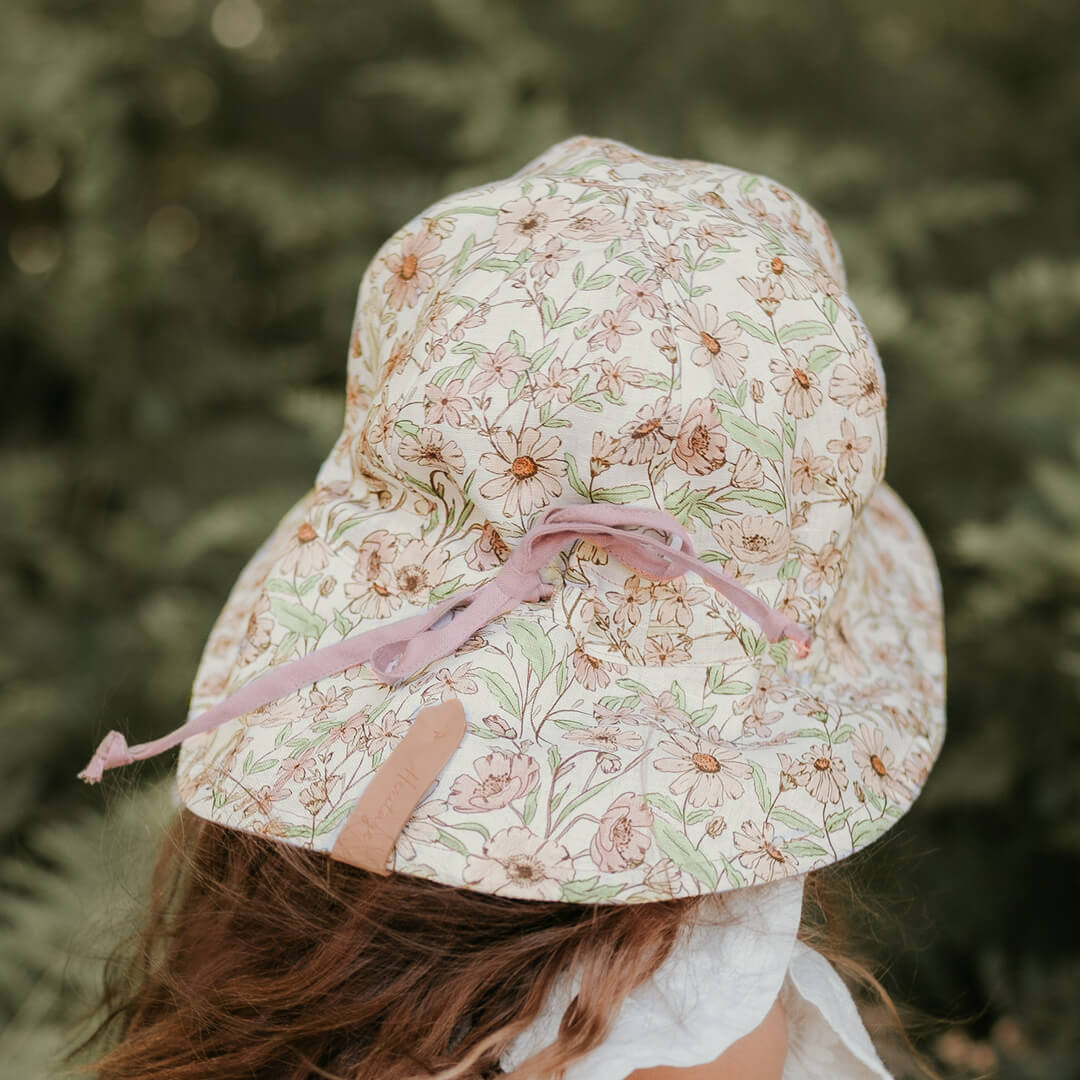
599, 605
261, 959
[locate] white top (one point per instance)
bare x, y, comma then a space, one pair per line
717, 984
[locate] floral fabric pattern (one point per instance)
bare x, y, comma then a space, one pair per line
604, 325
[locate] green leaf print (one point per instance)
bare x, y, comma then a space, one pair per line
760, 439
659, 801
298, 619
821, 356
806, 847
862, 832
796, 820
751, 327
762, 498
589, 891
573, 477
799, 331
683, 854
535, 646
761, 786
501, 689
335, 819
625, 493
836, 821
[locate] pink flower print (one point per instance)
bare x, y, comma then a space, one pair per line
502, 366
399, 355
431, 450
664, 708
859, 384
650, 433
917, 766
794, 283
488, 550
591, 671
445, 403
418, 568
624, 834
616, 325
322, 704
661, 649
410, 269
450, 684
590, 606
500, 779
715, 340
759, 854
875, 761
747, 473
554, 383
386, 732
630, 601
611, 738
257, 635
753, 538
664, 878
294, 769
348, 732
517, 862
664, 340
823, 565
700, 445
823, 775
711, 233
545, 264
675, 600
849, 448
663, 213
643, 296
616, 375
711, 769
667, 260
597, 223
799, 385
306, 553
794, 606
808, 468
760, 210
841, 644
766, 292
380, 427
527, 471
523, 223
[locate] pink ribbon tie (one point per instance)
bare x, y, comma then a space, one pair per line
398, 650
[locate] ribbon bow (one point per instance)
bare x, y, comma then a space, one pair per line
398, 650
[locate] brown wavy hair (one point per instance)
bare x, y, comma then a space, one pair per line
262, 959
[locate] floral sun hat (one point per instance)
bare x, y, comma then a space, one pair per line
600, 595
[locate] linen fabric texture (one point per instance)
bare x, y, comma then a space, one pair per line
715, 986
604, 325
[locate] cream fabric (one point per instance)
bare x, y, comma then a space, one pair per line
717, 985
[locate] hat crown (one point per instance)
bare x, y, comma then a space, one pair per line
612, 325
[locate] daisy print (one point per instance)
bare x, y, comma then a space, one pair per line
528, 470
411, 269
762, 853
716, 341
710, 769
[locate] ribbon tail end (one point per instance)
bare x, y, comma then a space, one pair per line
112, 751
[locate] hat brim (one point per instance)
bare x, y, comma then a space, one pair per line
587, 781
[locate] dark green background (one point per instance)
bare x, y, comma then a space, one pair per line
189, 194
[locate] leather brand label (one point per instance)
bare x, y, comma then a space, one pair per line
372, 829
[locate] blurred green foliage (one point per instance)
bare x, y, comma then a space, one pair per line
190, 191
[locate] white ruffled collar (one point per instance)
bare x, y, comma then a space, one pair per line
717, 984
